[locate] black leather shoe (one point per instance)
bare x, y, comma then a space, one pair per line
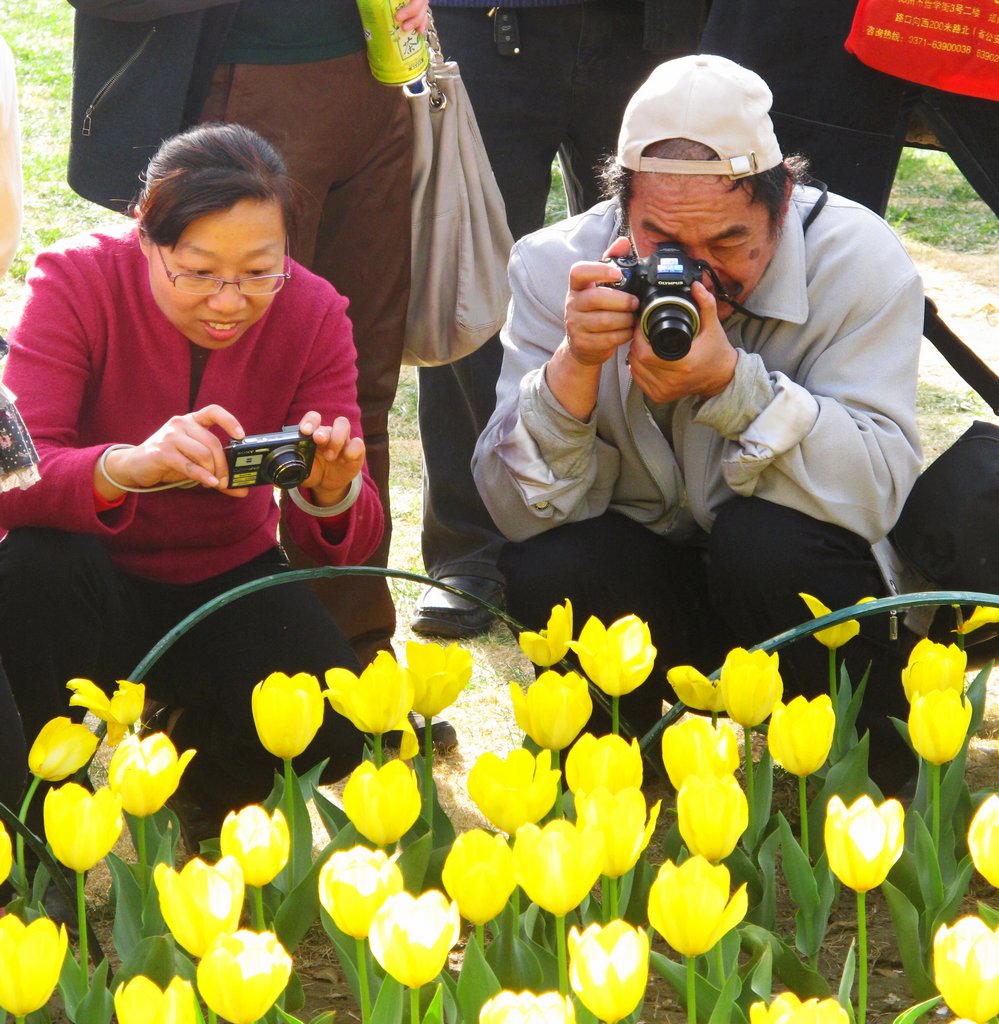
440, 613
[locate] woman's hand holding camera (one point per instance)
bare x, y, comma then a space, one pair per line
339, 458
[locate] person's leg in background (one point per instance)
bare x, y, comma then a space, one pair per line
762, 556
347, 140
577, 66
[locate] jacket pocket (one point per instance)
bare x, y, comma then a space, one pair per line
108, 87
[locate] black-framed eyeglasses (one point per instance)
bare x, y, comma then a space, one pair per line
198, 284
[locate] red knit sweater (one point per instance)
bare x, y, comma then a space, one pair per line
94, 362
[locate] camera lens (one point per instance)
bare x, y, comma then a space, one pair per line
671, 324
284, 467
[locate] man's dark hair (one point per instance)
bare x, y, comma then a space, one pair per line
768, 187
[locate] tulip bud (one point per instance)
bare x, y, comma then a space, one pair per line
437, 674
554, 709
120, 711
938, 724
695, 690
934, 666
258, 841
751, 685
478, 875
966, 969
981, 616
693, 746
382, 803
609, 968
528, 1008
287, 711
552, 644
863, 841
141, 1001
242, 974
146, 772
378, 701
690, 905
801, 734
983, 840
832, 637
353, 884
712, 815
32, 956
61, 748
6, 855
81, 827
621, 818
201, 901
557, 865
618, 658
609, 761
411, 937
514, 790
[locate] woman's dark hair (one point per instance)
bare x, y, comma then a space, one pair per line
768, 187
208, 169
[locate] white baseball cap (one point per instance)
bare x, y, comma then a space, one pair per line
708, 99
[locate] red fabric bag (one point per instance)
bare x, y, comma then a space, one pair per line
941, 43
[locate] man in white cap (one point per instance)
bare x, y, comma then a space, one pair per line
765, 455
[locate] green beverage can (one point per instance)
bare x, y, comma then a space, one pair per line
395, 57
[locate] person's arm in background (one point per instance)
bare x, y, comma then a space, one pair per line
10, 161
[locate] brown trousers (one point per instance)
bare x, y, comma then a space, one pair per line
347, 141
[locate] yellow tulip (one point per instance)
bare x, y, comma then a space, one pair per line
966, 968
242, 974
554, 709
354, 883
557, 865
693, 746
32, 956
141, 1001
478, 874
411, 937
690, 905
751, 685
621, 818
712, 814
618, 658
514, 790
438, 674
121, 710
383, 803
201, 901
528, 1008
551, 644
801, 733
287, 711
938, 724
863, 841
258, 840
934, 666
981, 616
146, 772
609, 968
61, 748
80, 826
377, 701
833, 637
695, 690
6, 854
787, 1008
983, 840
609, 761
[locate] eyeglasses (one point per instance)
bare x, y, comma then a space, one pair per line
196, 284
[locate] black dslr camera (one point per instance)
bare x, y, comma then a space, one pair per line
668, 314
282, 459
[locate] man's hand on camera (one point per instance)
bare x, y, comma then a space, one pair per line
339, 458
705, 371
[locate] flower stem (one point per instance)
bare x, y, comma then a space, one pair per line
377, 752
803, 813
480, 937
935, 772
862, 968
833, 690
258, 907
414, 1006
140, 852
428, 769
22, 877
563, 969
691, 992
616, 715
613, 893
958, 622
750, 784
81, 923
362, 977
212, 1017
557, 765
289, 813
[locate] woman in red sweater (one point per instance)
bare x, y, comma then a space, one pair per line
140, 354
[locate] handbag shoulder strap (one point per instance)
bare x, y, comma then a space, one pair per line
971, 367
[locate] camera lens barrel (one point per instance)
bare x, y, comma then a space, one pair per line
671, 323
284, 467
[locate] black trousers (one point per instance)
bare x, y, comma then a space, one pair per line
67, 611
739, 588
13, 754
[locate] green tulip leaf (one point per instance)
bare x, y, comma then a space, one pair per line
989, 915
332, 815
913, 1014
290, 1018
848, 777
726, 1010
390, 1003
346, 951
905, 918
477, 982
414, 862
127, 931
931, 885
706, 994
845, 991
326, 1017
72, 984
758, 975
954, 893
801, 979
634, 892
434, 1013
298, 911
97, 1006
512, 960
159, 959
764, 911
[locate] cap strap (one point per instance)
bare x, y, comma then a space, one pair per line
736, 167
